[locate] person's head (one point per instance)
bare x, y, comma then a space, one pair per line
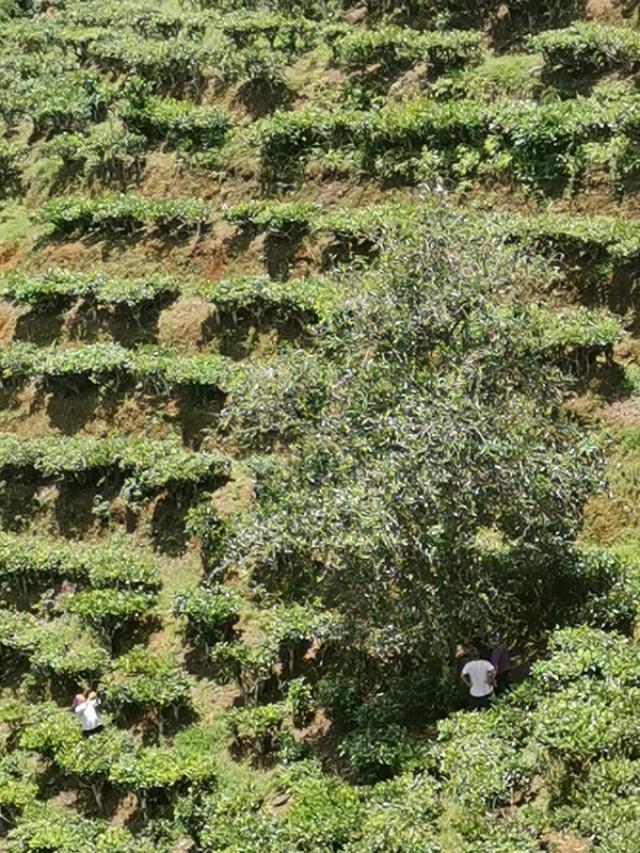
474, 654
495, 640
78, 699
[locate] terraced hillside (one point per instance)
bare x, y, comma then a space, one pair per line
319, 329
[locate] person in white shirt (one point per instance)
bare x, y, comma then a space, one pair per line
480, 677
84, 708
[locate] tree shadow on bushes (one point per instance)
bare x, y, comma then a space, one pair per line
261, 97
508, 22
76, 502
343, 251
71, 406
42, 327
19, 502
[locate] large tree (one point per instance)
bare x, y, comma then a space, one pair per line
438, 488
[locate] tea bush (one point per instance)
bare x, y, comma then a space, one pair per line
111, 611
176, 123
586, 47
27, 559
259, 731
175, 64
123, 213
53, 649
105, 154
290, 34
11, 156
209, 614
111, 366
45, 826
18, 785
154, 682
396, 47
59, 288
146, 465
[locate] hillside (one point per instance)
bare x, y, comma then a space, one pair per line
319, 361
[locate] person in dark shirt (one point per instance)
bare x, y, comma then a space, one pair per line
501, 661
484, 651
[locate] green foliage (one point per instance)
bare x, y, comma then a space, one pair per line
346, 515
112, 365
48, 729
322, 814
579, 238
147, 466
375, 754
289, 219
266, 67
287, 634
11, 156
536, 145
588, 691
325, 812
209, 614
111, 610
175, 123
398, 47
161, 769
269, 402
153, 681
313, 297
605, 805
308, 299
586, 47
399, 817
422, 481
145, 18
481, 766
106, 154
58, 288
260, 731
287, 33
47, 827
605, 239
502, 76
9, 8
175, 64
567, 724
123, 212
203, 521
93, 757
300, 700
27, 559
18, 787
54, 649
285, 137
69, 101
576, 337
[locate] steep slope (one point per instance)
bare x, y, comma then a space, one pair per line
315, 325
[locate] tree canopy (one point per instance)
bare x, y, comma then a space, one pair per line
439, 489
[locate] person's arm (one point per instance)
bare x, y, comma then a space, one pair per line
94, 698
493, 677
464, 675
